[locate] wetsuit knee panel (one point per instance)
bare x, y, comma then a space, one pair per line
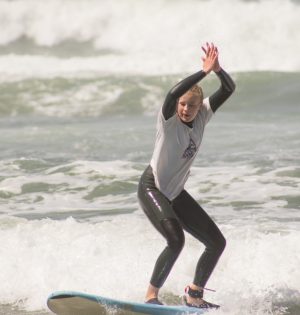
173, 233
222, 244
218, 245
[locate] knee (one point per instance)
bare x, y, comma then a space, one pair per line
219, 245
174, 234
176, 243
222, 244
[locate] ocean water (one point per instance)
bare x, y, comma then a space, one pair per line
81, 83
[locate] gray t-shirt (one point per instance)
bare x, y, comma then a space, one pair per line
175, 149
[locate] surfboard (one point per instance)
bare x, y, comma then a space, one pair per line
77, 303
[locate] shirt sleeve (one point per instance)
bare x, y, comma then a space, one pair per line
206, 111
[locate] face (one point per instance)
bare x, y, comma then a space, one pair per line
188, 106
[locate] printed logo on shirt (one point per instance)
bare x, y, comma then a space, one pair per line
190, 150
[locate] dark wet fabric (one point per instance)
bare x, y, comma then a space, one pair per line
171, 218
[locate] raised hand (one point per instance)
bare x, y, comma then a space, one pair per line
211, 58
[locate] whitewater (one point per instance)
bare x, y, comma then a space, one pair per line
71, 38
81, 83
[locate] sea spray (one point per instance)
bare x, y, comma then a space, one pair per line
133, 37
97, 257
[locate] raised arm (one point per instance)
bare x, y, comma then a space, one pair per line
222, 94
169, 106
227, 85
209, 64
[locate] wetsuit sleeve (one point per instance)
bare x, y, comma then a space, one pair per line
169, 106
222, 94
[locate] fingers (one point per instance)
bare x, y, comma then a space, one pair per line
211, 58
210, 50
213, 50
207, 50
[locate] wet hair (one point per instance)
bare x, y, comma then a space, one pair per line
196, 90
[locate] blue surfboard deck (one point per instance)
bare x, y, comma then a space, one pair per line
77, 303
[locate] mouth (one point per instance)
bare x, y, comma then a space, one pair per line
186, 116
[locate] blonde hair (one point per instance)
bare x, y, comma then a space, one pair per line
196, 90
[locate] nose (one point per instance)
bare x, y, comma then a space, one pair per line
186, 108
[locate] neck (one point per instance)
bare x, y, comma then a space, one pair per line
189, 124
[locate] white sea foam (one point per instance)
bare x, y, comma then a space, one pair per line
67, 187
257, 271
92, 95
236, 183
237, 193
141, 39
48, 255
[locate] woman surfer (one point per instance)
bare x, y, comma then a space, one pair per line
161, 193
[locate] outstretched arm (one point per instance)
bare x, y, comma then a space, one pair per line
169, 106
222, 94
227, 85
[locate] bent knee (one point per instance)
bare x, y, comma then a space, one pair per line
176, 243
173, 234
217, 246
220, 245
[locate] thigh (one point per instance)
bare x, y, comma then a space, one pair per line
195, 220
155, 205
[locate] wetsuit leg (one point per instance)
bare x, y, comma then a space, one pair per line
159, 211
198, 223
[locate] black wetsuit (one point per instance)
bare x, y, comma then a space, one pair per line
170, 218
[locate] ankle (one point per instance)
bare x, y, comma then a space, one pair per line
194, 297
195, 287
194, 291
152, 293
150, 297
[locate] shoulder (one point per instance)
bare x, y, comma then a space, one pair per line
205, 107
163, 123
205, 111
206, 104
